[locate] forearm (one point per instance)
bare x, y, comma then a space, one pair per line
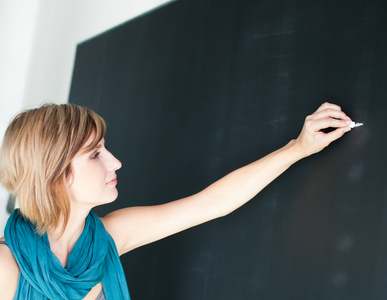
241, 185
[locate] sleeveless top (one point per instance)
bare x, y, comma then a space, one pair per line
101, 295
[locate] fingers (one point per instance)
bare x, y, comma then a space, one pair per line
328, 115
336, 134
318, 123
329, 112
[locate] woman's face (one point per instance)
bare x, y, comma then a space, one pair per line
93, 178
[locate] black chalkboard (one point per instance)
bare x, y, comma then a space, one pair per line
197, 88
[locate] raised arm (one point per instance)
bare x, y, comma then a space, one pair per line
136, 226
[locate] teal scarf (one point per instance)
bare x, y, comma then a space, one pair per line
93, 259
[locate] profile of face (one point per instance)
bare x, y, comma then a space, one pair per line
93, 178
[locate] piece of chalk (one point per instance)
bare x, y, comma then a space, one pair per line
354, 124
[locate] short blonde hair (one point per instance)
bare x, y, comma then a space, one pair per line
36, 155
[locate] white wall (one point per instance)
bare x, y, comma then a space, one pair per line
38, 40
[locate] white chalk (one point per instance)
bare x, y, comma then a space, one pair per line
354, 124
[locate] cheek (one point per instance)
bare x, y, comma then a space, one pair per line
85, 184
87, 181
91, 174
84, 190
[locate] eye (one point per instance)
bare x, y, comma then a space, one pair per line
95, 155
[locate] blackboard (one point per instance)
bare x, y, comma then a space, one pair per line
197, 88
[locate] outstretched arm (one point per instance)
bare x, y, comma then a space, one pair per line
136, 226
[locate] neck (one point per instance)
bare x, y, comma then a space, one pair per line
62, 244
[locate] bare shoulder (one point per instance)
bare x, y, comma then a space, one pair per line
123, 225
9, 272
113, 225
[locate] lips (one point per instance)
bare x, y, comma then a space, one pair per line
112, 182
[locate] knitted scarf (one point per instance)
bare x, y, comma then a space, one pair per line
93, 259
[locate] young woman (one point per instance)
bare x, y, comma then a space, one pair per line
53, 159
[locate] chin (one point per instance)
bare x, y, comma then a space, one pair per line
113, 198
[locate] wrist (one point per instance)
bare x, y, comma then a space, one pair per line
295, 151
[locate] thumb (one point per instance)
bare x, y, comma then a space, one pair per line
336, 134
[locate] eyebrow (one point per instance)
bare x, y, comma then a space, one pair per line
98, 146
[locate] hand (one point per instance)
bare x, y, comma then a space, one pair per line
311, 139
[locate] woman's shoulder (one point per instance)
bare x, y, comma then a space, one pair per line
9, 272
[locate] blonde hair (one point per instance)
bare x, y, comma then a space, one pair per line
35, 159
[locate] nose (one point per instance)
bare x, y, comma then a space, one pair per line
114, 163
